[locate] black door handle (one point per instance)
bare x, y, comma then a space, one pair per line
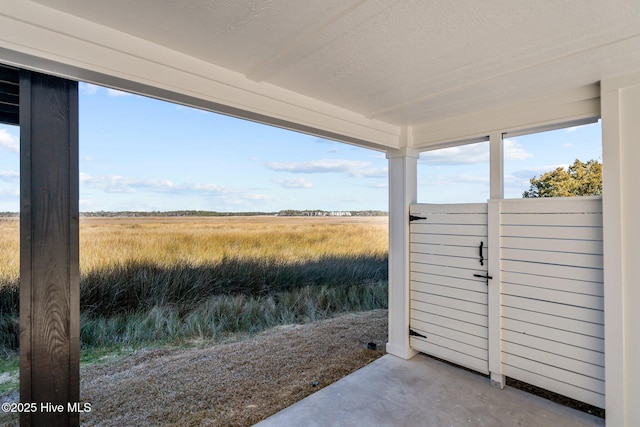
480, 253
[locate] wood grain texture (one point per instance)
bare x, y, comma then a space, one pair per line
49, 293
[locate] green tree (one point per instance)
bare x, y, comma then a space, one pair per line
579, 179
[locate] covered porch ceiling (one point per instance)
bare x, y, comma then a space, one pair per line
376, 73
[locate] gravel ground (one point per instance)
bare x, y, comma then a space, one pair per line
234, 384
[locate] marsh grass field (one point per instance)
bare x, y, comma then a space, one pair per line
148, 281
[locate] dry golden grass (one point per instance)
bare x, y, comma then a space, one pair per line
10, 250
205, 240
169, 241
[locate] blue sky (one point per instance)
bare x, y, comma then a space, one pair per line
142, 154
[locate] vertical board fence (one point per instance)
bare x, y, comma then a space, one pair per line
550, 280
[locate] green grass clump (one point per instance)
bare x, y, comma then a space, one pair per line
141, 286
220, 316
9, 367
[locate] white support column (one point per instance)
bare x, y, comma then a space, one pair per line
402, 192
620, 98
494, 292
496, 164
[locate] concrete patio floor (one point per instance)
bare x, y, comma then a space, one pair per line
424, 392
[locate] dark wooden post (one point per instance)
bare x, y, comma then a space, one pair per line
49, 272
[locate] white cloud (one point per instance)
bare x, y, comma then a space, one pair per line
370, 173
86, 204
220, 194
514, 151
9, 142
114, 183
9, 176
204, 189
298, 182
354, 168
319, 166
379, 185
472, 154
460, 155
9, 193
325, 141
532, 171
9, 190
575, 128
91, 89
88, 88
116, 93
246, 197
448, 180
122, 184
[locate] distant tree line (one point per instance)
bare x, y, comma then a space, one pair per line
286, 212
317, 212
169, 213
194, 213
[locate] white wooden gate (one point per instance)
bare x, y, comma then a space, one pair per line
448, 302
548, 267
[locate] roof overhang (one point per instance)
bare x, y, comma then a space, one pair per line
379, 74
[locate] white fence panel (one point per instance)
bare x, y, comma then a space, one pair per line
552, 295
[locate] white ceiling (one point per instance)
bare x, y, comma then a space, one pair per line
396, 62
404, 62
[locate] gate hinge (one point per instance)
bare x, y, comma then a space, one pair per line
416, 218
413, 333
